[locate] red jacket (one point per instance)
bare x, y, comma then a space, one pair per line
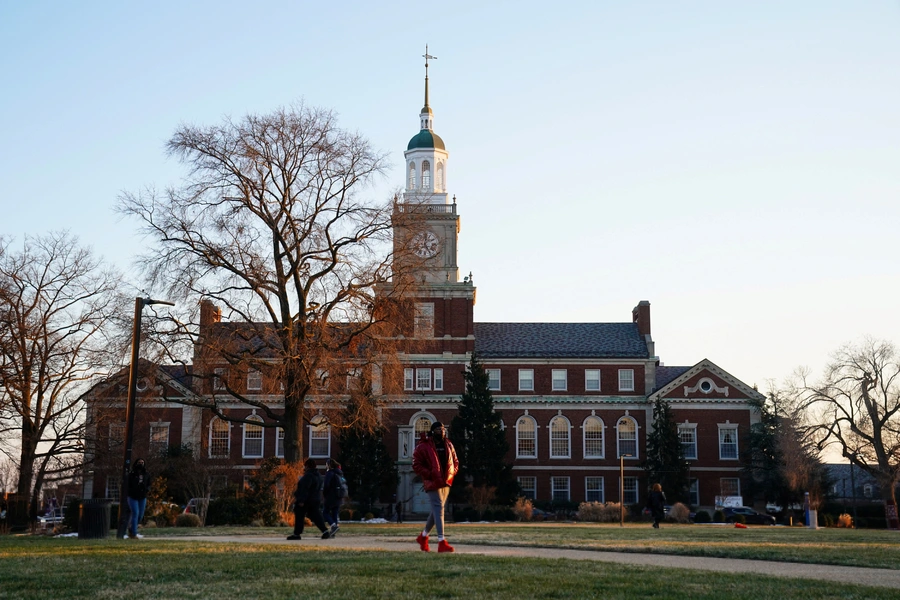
426, 466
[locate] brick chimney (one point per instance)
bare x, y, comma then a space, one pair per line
209, 313
640, 314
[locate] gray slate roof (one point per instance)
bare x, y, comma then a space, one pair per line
559, 340
666, 375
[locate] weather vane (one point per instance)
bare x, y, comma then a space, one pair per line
427, 56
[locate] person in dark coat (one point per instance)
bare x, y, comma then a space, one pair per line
308, 501
435, 461
138, 486
657, 504
332, 493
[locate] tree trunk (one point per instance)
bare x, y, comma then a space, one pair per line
26, 467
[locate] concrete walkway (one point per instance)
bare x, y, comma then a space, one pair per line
853, 575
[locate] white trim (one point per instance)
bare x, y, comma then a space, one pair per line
532, 420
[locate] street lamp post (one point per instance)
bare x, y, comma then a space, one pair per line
622, 488
139, 304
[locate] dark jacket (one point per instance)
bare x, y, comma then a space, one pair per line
138, 484
309, 489
426, 465
332, 486
657, 503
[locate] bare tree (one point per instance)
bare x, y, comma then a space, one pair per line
57, 306
269, 226
857, 407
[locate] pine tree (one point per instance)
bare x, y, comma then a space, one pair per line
665, 463
370, 471
480, 441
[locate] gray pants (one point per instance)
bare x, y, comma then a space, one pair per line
438, 499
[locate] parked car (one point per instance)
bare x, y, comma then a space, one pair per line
751, 517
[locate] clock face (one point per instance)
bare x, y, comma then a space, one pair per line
425, 244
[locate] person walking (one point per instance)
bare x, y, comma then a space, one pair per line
308, 501
334, 495
656, 502
435, 461
138, 486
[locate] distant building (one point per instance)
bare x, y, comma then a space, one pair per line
574, 397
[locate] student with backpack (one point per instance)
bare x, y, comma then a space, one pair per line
307, 501
335, 489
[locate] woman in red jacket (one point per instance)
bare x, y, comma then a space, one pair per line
435, 462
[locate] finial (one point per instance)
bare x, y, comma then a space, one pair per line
427, 56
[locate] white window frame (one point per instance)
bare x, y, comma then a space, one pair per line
319, 438
409, 379
424, 320
724, 453
411, 178
619, 439
423, 379
113, 487
219, 376
438, 380
733, 485
559, 380
526, 436
426, 174
155, 445
493, 379
560, 488
630, 490
588, 442
213, 438
255, 429
528, 485
421, 425
594, 485
591, 376
694, 492
254, 380
688, 430
116, 435
529, 380
279, 442
560, 432
626, 380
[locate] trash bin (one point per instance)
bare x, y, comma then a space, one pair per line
93, 518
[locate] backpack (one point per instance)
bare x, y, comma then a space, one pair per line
340, 486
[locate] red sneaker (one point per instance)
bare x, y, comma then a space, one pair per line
423, 542
443, 546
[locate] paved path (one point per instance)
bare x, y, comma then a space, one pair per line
853, 575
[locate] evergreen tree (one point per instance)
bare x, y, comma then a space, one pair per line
480, 441
370, 471
665, 463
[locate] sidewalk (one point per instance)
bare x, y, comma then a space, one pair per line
853, 575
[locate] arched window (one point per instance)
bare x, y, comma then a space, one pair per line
440, 177
422, 427
593, 437
526, 438
319, 438
411, 184
219, 438
559, 437
626, 437
253, 438
426, 174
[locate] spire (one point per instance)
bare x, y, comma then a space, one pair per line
426, 56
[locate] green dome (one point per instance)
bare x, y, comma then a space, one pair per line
426, 139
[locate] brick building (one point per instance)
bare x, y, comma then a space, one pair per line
575, 398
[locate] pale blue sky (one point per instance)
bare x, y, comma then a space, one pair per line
735, 163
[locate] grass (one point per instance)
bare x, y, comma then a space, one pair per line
847, 547
40, 567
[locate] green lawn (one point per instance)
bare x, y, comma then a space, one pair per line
849, 547
42, 567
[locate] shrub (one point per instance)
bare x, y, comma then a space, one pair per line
228, 511
609, 512
826, 520
739, 519
702, 517
187, 520
346, 514
845, 520
369, 516
523, 509
679, 513
718, 517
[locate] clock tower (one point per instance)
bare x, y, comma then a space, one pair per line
426, 229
